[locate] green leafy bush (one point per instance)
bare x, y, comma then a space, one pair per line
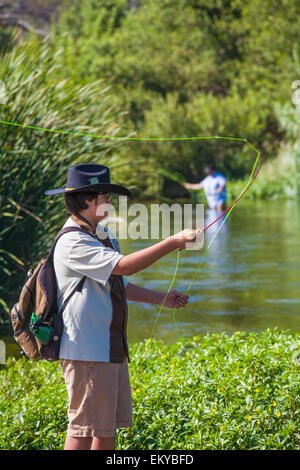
288, 115
185, 69
212, 392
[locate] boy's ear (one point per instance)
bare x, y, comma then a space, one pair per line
91, 202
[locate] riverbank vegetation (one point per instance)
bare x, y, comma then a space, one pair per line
219, 391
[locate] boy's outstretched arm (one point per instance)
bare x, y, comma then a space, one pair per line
139, 260
174, 299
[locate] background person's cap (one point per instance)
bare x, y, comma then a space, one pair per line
89, 177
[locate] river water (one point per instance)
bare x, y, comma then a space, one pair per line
249, 279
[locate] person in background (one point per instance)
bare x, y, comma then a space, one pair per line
214, 186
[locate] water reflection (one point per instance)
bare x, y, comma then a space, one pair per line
217, 234
249, 279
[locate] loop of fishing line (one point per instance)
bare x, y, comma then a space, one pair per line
252, 177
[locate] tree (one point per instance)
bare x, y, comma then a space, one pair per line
221, 65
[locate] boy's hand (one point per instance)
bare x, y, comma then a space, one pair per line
175, 299
187, 236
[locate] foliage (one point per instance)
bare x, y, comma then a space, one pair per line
6, 39
288, 115
219, 391
162, 69
188, 69
33, 161
261, 189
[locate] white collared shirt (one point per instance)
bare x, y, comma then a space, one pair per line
88, 314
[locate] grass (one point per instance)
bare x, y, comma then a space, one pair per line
212, 392
276, 179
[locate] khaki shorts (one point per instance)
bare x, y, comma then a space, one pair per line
99, 397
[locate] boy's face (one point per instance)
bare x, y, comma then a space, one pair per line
102, 206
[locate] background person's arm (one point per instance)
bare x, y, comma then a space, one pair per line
193, 185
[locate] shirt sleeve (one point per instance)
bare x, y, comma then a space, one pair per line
90, 258
203, 182
221, 180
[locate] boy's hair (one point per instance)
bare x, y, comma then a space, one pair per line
76, 202
209, 167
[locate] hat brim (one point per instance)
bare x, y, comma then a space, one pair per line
101, 187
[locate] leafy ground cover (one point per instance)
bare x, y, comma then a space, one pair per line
218, 391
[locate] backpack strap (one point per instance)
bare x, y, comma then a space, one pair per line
116, 282
64, 230
79, 285
105, 241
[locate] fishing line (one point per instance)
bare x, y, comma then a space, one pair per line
167, 293
252, 177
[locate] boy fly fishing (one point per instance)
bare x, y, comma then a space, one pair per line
93, 347
93, 295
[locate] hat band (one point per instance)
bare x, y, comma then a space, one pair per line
69, 189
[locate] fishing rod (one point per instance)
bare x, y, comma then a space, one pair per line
227, 212
250, 181
255, 170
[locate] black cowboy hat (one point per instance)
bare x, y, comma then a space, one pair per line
89, 177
